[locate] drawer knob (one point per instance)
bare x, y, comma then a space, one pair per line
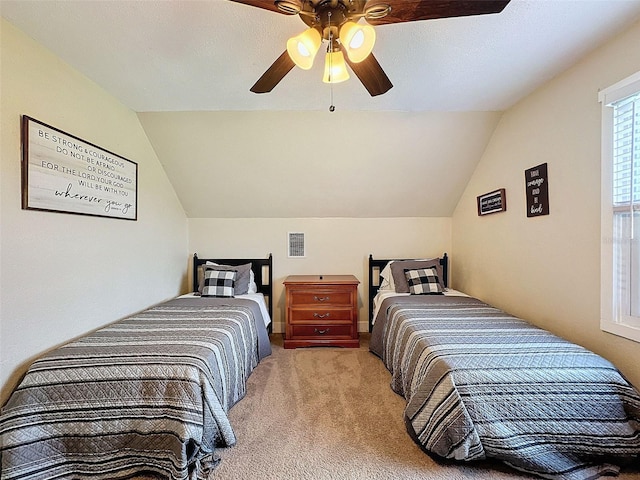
321, 332
320, 299
321, 315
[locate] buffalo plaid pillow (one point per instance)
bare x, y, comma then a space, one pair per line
219, 283
423, 281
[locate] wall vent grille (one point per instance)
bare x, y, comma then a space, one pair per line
296, 245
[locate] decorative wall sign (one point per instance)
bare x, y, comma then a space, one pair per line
537, 186
63, 173
492, 202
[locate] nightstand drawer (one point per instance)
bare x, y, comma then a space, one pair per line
320, 315
319, 330
320, 297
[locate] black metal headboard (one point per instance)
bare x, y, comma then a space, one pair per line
262, 272
375, 268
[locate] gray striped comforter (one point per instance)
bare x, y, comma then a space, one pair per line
148, 393
480, 383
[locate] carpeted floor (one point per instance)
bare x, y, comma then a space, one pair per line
329, 414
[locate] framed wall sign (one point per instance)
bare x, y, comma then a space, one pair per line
492, 202
63, 173
537, 187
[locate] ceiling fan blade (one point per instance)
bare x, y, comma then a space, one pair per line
413, 10
265, 4
370, 74
274, 74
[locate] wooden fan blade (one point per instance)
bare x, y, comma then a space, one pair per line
265, 4
413, 10
370, 74
274, 74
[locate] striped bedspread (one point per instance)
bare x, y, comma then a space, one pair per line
148, 393
480, 383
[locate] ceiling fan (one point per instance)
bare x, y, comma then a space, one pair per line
337, 23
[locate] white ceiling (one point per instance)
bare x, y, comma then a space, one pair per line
159, 55
186, 67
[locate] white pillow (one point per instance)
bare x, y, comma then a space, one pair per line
253, 288
387, 278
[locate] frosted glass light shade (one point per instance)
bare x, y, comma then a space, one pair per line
358, 40
303, 48
335, 70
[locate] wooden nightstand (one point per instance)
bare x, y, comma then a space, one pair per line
322, 310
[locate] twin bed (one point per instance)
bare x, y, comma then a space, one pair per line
480, 383
149, 393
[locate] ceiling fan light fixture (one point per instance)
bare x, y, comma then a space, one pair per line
290, 7
358, 40
303, 48
335, 68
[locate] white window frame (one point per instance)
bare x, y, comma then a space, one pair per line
610, 320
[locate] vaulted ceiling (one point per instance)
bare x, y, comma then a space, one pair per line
187, 66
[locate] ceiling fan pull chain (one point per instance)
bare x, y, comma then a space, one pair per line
332, 107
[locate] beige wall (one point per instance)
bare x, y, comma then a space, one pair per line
333, 246
547, 269
284, 164
62, 275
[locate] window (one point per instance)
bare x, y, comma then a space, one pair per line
620, 248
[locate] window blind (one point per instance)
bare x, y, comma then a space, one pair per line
626, 152
626, 207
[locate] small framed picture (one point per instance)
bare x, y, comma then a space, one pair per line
537, 186
492, 202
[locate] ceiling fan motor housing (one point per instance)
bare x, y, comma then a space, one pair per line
330, 23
